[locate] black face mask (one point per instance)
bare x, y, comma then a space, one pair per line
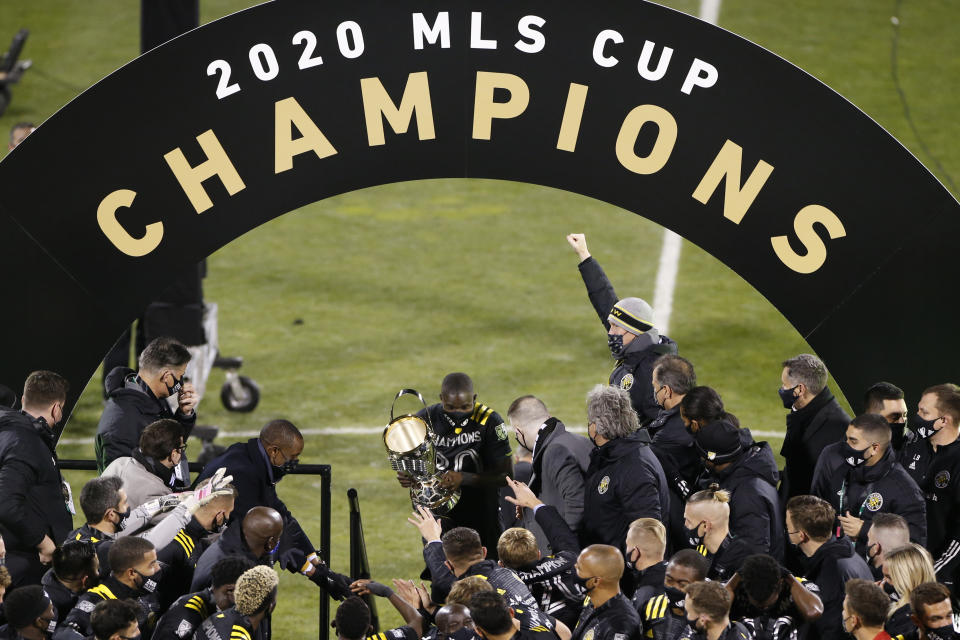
282, 470
148, 584
891, 591
582, 582
853, 457
122, 522
943, 633
677, 597
615, 343
787, 397
219, 528
923, 428
177, 385
657, 402
457, 417
694, 538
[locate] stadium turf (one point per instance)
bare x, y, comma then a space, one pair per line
338, 305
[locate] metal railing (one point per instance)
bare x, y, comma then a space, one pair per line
322, 470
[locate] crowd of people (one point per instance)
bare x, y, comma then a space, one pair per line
668, 521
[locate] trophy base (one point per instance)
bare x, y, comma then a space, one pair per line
428, 493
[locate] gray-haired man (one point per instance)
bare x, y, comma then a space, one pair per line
815, 420
624, 480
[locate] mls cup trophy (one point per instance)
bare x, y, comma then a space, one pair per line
409, 440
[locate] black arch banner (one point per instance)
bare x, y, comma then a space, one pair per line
244, 119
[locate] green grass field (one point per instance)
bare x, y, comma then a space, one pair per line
393, 292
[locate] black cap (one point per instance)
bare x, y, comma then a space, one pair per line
718, 442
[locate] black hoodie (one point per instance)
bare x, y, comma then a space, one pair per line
820, 423
830, 567
755, 514
624, 482
130, 407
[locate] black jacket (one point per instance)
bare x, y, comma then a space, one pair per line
822, 422
552, 580
674, 448
32, 501
230, 624
230, 543
830, 567
865, 491
130, 408
503, 580
938, 475
624, 482
649, 584
62, 598
662, 619
180, 557
778, 621
728, 559
256, 486
185, 616
635, 372
755, 515
615, 619
77, 623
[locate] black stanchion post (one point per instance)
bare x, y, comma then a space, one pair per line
359, 566
325, 497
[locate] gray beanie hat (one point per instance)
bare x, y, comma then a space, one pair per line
633, 315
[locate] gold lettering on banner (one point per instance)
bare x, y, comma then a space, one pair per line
736, 199
117, 235
288, 112
217, 164
378, 106
485, 109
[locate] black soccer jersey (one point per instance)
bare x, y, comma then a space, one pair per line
472, 445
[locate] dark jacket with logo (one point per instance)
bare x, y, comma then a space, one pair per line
830, 567
938, 475
635, 372
735, 631
31, 489
560, 461
185, 616
60, 595
615, 619
822, 422
257, 487
648, 584
77, 623
755, 514
624, 482
130, 408
866, 491
233, 625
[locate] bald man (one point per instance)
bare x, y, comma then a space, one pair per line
257, 466
607, 614
451, 618
255, 538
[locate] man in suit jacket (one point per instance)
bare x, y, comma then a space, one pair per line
815, 420
560, 461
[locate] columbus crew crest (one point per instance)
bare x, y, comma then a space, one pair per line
874, 501
942, 479
626, 382
602, 489
588, 635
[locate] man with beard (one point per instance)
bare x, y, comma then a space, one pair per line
932, 613
771, 602
634, 341
135, 576
932, 458
474, 453
34, 514
860, 477
664, 616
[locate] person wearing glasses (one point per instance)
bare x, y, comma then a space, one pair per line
136, 399
152, 470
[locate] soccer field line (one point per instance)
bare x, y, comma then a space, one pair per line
360, 431
666, 281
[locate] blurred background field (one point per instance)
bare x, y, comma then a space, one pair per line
338, 305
